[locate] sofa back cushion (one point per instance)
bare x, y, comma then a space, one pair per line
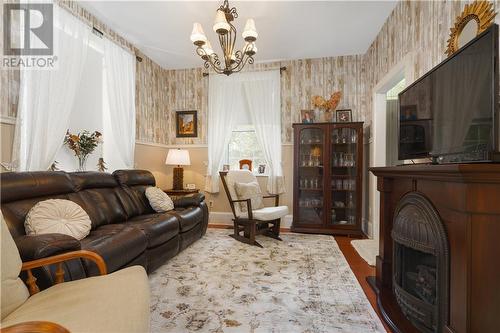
96, 194
19, 191
134, 184
13, 291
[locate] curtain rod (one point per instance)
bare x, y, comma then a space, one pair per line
281, 70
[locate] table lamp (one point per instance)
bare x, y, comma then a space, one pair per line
178, 157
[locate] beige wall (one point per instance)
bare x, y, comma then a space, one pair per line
153, 158
7, 137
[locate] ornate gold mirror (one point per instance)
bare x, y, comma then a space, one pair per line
475, 18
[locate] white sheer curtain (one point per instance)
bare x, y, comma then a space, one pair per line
224, 97
119, 114
262, 95
46, 96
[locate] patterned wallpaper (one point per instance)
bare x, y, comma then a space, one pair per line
417, 28
188, 90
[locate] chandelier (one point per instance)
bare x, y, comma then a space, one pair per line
233, 61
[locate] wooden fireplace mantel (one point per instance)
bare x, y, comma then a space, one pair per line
467, 199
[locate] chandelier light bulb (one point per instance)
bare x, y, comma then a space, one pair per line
250, 33
250, 48
198, 35
208, 48
221, 26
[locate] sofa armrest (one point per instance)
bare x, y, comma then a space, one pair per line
189, 200
41, 246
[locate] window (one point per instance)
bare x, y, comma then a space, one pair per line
243, 144
87, 108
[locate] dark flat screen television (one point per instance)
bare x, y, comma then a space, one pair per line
451, 113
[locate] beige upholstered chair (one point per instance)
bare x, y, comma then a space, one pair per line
263, 221
118, 302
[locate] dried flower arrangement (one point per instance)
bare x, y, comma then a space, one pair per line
330, 104
82, 145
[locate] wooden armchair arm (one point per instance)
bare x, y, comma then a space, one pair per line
249, 206
35, 326
276, 198
59, 259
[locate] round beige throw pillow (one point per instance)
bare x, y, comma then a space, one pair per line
57, 216
159, 200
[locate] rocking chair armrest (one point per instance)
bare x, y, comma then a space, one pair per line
96, 258
35, 326
249, 206
276, 198
59, 259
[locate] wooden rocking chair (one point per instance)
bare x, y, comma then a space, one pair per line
264, 221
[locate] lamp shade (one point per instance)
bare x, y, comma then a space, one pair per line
221, 26
178, 157
250, 33
198, 35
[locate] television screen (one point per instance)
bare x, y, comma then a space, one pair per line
449, 113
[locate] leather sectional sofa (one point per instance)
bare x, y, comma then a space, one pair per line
125, 229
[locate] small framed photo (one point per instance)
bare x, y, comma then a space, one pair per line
186, 124
307, 116
226, 167
343, 116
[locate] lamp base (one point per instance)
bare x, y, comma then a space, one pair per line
178, 183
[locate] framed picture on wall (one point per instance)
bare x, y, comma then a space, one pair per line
343, 116
186, 124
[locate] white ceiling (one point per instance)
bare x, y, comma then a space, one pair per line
287, 29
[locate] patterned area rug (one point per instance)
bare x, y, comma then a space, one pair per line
218, 284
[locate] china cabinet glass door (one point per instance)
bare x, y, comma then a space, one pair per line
311, 175
344, 164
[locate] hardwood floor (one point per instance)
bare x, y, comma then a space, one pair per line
361, 270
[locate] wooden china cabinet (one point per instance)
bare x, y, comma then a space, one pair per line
327, 178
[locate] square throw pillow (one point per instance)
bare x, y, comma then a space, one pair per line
159, 200
58, 216
249, 191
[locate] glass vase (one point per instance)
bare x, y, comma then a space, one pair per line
82, 161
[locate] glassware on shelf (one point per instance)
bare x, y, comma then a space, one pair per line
350, 200
333, 215
354, 137
335, 136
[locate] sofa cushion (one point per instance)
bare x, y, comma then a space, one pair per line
135, 183
158, 228
13, 291
188, 217
118, 302
26, 185
57, 216
118, 244
159, 200
102, 205
15, 212
134, 177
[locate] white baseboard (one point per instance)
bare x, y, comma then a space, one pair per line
226, 218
